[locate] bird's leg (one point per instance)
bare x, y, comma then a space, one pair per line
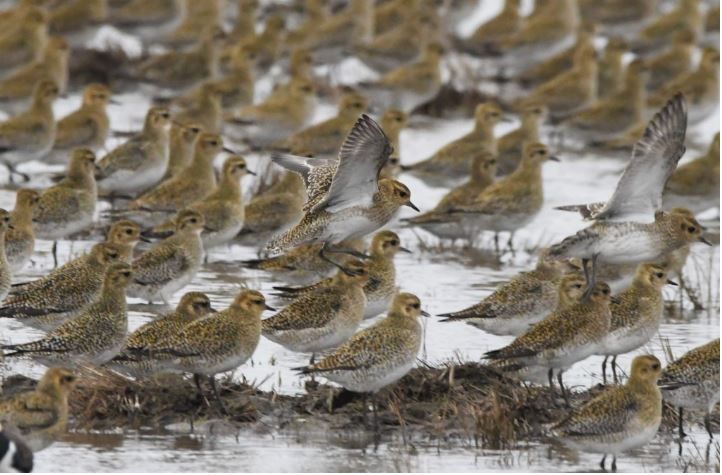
350, 252
496, 243
591, 277
614, 463
13, 171
550, 375
563, 389
601, 464
197, 380
375, 411
614, 369
217, 395
604, 370
55, 254
366, 409
322, 255
510, 243
680, 423
708, 425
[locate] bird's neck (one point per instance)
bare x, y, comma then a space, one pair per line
229, 189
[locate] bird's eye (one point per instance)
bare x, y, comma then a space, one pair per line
241, 166
394, 242
214, 143
416, 305
492, 162
128, 232
577, 286
659, 275
403, 194
691, 229
655, 366
126, 273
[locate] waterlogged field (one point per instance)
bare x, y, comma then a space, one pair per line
445, 279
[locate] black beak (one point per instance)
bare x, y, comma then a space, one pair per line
114, 102
226, 149
268, 307
212, 310
403, 249
426, 314
251, 172
144, 239
671, 282
705, 240
10, 226
413, 206
554, 158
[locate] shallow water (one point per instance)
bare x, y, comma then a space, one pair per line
445, 281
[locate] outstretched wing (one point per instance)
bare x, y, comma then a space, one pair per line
363, 154
304, 166
654, 159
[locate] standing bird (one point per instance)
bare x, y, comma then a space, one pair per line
565, 337
140, 162
6, 276
621, 418
323, 318
695, 184
94, 336
20, 240
222, 210
87, 127
49, 301
451, 162
381, 286
25, 40
392, 122
622, 232
15, 455
345, 199
379, 355
30, 134
510, 146
192, 306
409, 85
636, 314
182, 141
69, 206
214, 344
172, 263
693, 382
513, 307
41, 415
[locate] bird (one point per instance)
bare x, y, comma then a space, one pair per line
336, 33
94, 336
325, 138
352, 203
206, 110
20, 240
16, 89
539, 73
245, 23
564, 337
379, 355
510, 203
438, 221
182, 140
69, 206
451, 163
618, 16
507, 22
29, 135
171, 264
695, 184
392, 122
314, 13
41, 415
401, 44
510, 146
611, 67
15, 455
223, 210
86, 127
266, 45
389, 14
215, 343
619, 419
381, 286
78, 21
693, 383
513, 307
150, 19
699, 87
409, 85
282, 113
192, 306
621, 232
180, 70
274, 210
672, 62
25, 39
660, 30
191, 184
141, 161
199, 18
636, 314
570, 91
619, 111
5, 270
323, 318
51, 300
